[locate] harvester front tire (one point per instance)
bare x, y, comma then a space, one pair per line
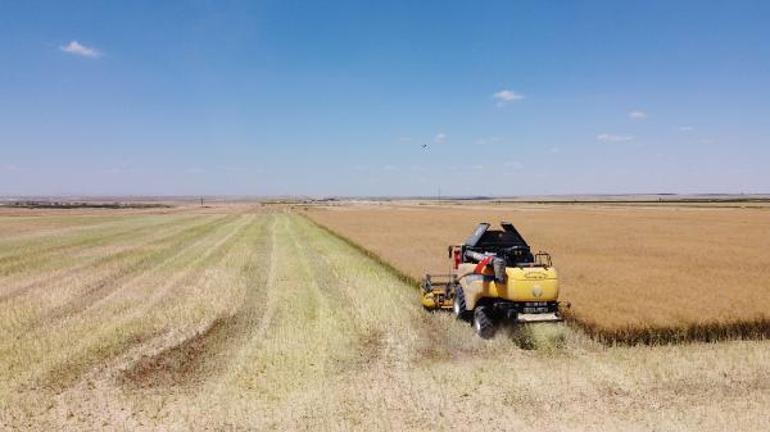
459, 306
482, 323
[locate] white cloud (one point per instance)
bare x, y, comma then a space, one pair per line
10, 167
504, 97
234, 169
553, 150
686, 128
487, 140
405, 139
605, 137
116, 170
439, 138
636, 114
516, 165
390, 168
195, 170
76, 48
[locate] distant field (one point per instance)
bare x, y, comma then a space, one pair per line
241, 318
632, 273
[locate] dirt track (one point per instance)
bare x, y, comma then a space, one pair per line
257, 320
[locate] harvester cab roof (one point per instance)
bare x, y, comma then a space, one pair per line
506, 243
484, 237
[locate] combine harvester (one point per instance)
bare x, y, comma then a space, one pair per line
496, 279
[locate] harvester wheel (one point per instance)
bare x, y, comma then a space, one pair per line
482, 323
460, 310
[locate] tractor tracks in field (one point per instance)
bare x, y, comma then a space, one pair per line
36, 241
357, 335
381, 344
371, 341
266, 317
316, 331
25, 317
434, 337
302, 325
37, 256
33, 234
138, 261
137, 335
192, 359
325, 300
63, 275
236, 343
193, 270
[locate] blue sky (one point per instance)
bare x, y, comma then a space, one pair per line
337, 98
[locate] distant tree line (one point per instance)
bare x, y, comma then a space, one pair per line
79, 205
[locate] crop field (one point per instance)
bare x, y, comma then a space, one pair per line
244, 317
632, 273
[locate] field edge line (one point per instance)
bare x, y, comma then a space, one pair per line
403, 277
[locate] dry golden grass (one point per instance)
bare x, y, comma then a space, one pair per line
243, 319
633, 274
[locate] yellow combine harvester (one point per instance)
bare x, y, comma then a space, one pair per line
495, 278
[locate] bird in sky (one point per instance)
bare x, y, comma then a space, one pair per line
425, 146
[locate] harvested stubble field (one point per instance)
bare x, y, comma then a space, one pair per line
241, 318
632, 273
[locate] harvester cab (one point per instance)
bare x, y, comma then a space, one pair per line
495, 278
